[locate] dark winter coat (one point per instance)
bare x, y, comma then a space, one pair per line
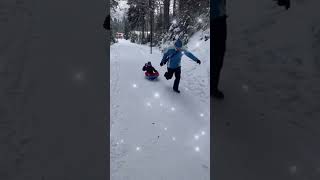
149, 69
106, 23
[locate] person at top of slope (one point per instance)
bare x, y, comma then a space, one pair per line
172, 57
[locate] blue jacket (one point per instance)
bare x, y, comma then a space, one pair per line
173, 57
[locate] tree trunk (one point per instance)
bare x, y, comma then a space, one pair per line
180, 6
151, 22
166, 17
174, 8
142, 38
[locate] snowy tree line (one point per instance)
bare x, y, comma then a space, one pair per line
166, 19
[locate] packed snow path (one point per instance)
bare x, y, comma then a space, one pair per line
155, 132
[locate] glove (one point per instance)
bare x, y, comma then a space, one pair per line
198, 61
161, 64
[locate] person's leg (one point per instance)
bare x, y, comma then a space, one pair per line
169, 74
177, 74
219, 47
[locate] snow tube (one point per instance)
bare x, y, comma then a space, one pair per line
151, 76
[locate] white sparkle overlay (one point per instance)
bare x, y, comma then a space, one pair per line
245, 87
173, 109
174, 21
197, 149
79, 76
138, 148
134, 85
156, 95
293, 169
196, 137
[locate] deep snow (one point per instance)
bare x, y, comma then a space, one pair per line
155, 132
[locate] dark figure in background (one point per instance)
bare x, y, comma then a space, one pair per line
219, 31
106, 24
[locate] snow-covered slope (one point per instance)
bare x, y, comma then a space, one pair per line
155, 132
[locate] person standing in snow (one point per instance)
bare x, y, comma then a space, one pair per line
219, 24
173, 56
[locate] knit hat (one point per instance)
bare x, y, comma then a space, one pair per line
178, 44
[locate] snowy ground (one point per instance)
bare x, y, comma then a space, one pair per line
155, 132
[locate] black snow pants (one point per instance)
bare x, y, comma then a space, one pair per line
177, 74
219, 30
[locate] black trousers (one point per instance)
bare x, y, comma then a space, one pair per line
219, 30
177, 74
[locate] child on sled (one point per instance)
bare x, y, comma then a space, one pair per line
151, 72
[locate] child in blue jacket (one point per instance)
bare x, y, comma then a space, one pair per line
172, 57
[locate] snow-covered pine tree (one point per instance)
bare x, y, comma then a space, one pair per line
187, 21
137, 13
113, 5
126, 29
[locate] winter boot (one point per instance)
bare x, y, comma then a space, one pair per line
176, 90
166, 75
